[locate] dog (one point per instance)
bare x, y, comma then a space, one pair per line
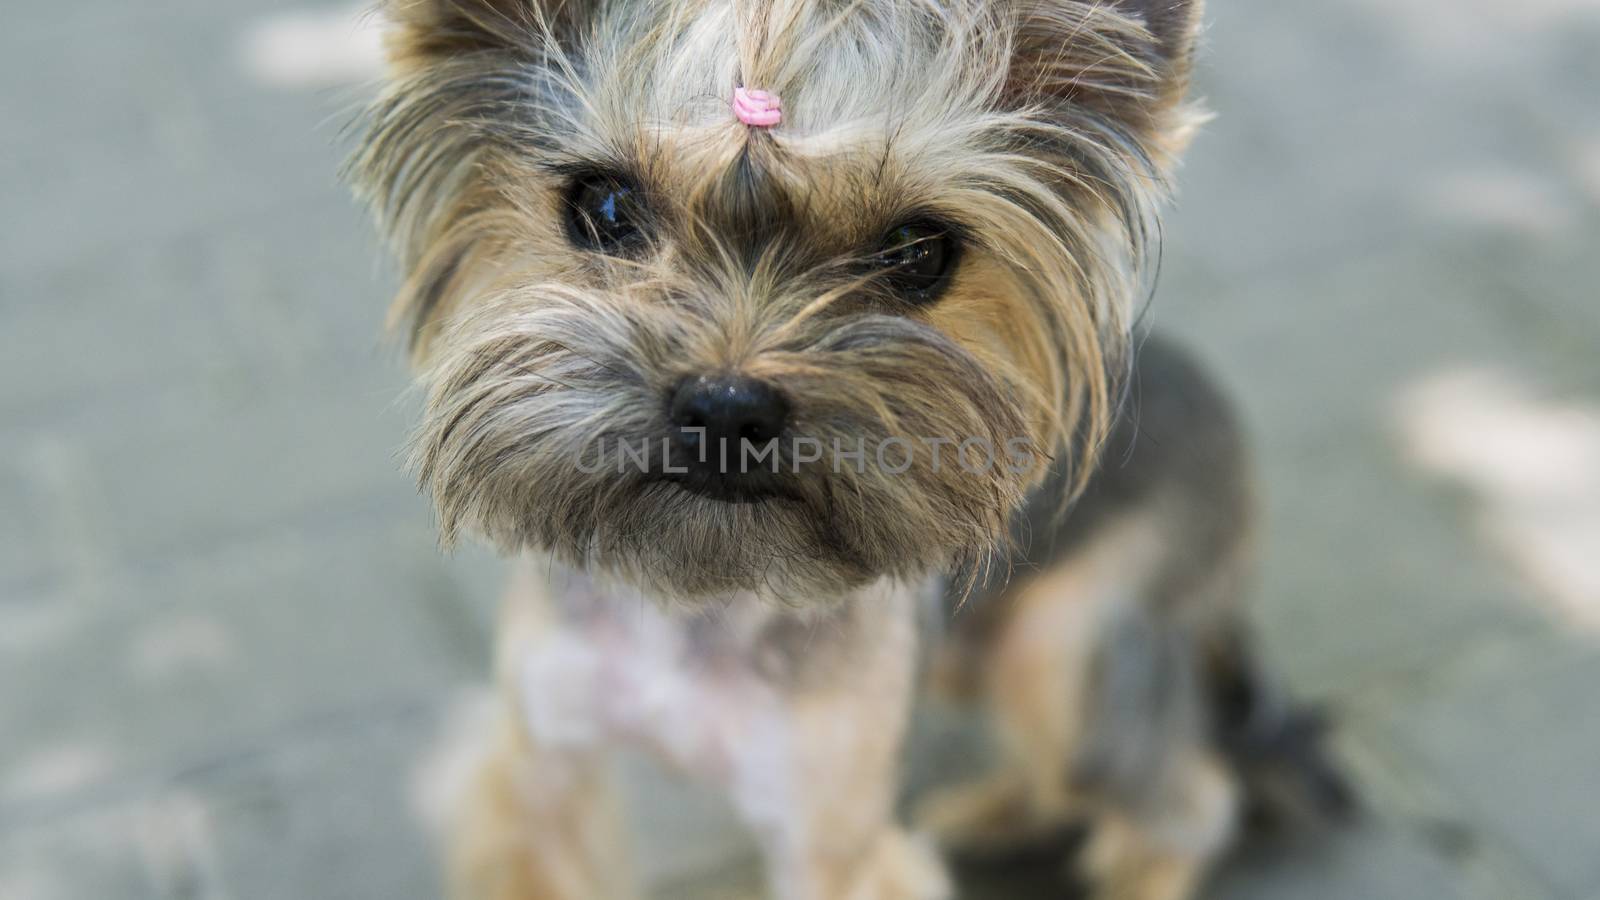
752, 330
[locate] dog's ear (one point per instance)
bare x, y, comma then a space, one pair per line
1125, 62
429, 30
1172, 23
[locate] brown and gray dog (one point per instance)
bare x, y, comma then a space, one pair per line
746, 392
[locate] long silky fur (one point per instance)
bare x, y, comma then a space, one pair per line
1044, 129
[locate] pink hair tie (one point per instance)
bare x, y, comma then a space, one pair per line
758, 109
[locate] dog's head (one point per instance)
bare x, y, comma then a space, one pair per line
886, 311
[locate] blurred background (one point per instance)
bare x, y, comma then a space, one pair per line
229, 644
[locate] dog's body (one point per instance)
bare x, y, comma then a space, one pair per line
935, 280
1105, 648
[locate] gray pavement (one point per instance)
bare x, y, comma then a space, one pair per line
228, 643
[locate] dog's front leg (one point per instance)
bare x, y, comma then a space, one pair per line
819, 789
536, 824
539, 819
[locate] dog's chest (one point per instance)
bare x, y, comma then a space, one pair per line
705, 690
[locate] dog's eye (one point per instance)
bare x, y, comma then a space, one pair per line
919, 258
605, 214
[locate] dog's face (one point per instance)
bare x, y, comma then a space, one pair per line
893, 308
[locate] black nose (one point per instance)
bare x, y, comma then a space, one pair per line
730, 408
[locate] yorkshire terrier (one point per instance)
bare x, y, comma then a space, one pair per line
756, 328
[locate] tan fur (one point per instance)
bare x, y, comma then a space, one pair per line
1037, 677
537, 826
816, 791
1042, 130
840, 838
534, 823
1032, 682
1051, 151
1164, 853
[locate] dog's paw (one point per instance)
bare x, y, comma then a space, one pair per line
979, 818
903, 867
